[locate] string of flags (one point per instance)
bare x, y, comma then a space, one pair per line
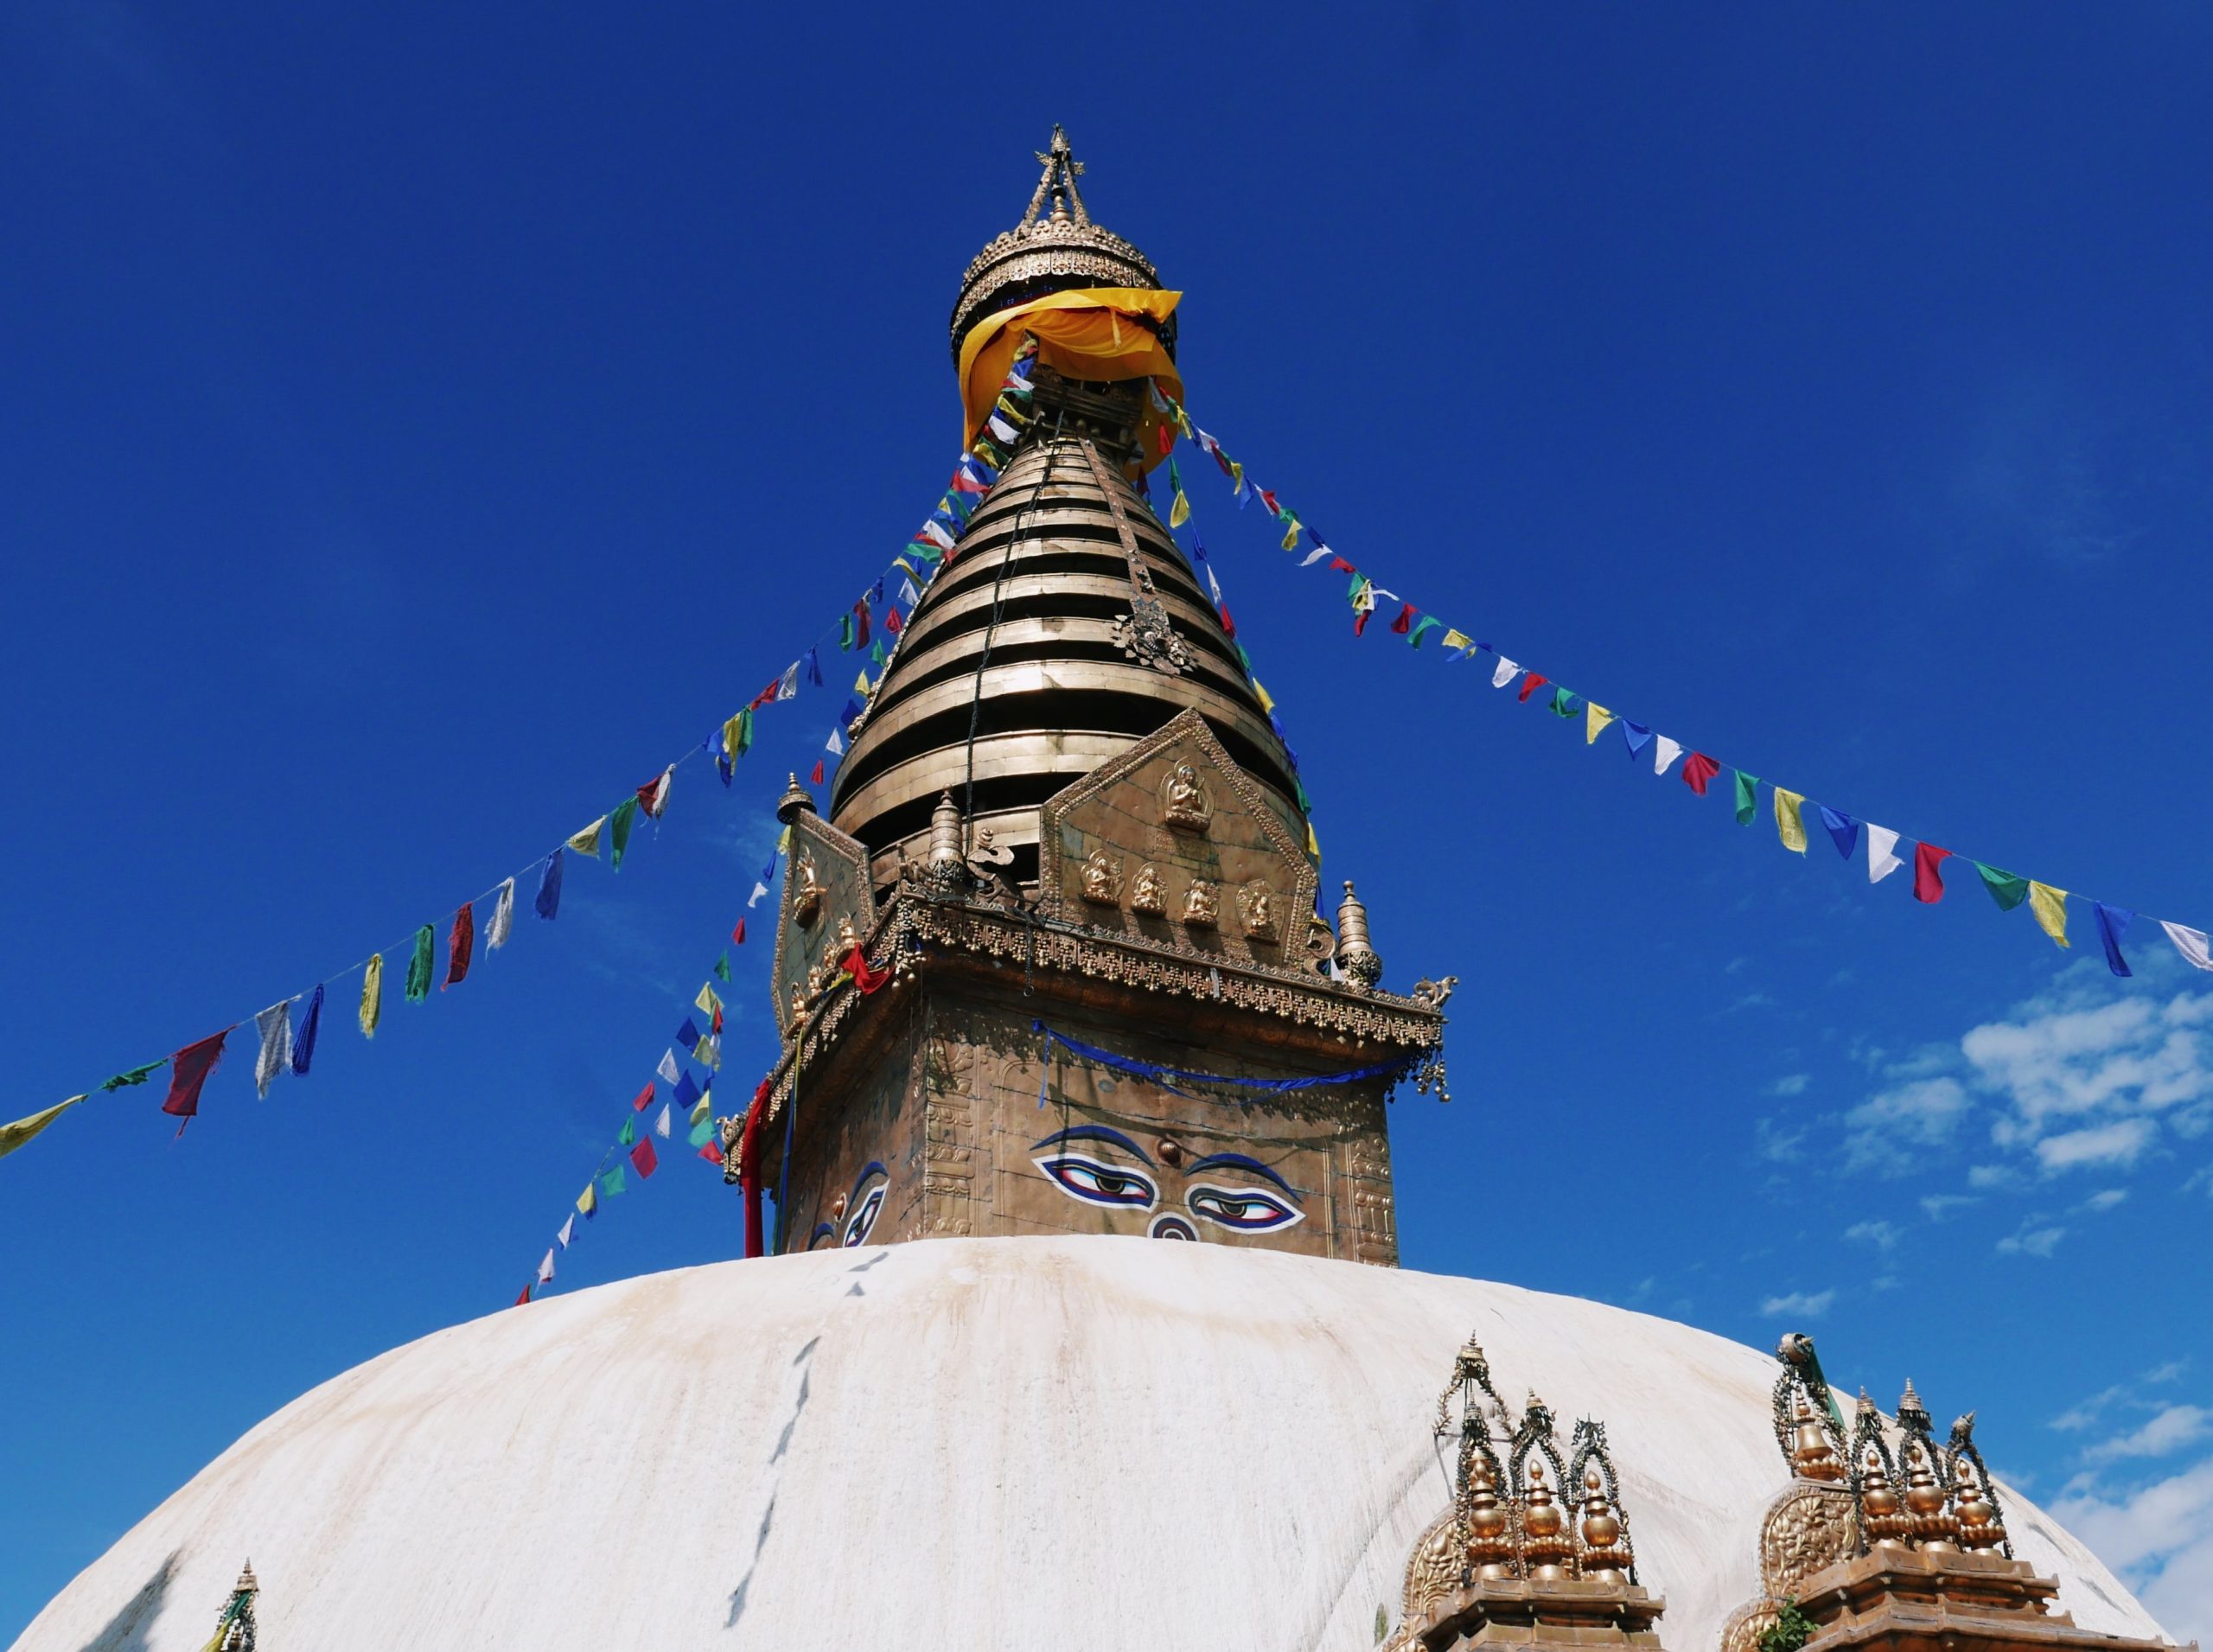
1886, 851
287, 1034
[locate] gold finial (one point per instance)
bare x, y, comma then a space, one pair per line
1811, 1453
795, 802
1356, 959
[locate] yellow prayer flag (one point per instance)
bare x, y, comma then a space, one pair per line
784, 841
1267, 700
1595, 718
587, 841
860, 685
708, 1002
1313, 843
1291, 540
372, 995
2050, 905
1789, 825
14, 1135
703, 1110
1236, 476
1457, 639
587, 1200
1180, 511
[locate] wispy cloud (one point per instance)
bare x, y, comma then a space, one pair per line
2032, 1240
1791, 1084
1937, 1206
2160, 1537
2167, 1429
1801, 1305
1882, 1235
1884, 1131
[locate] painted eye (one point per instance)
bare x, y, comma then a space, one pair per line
1242, 1210
865, 1216
1094, 1183
1172, 1227
822, 1230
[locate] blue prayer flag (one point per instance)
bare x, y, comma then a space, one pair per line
304, 1040
814, 668
688, 1034
1842, 828
1636, 735
2113, 923
549, 886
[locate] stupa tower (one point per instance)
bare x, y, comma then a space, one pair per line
1064, 811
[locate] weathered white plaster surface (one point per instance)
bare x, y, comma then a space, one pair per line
960, 1444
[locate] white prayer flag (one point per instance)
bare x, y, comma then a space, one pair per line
276, 1026
1665, 751
759, 890
937, 535
787, 685
503, 916
836, 743
1881, 863
546, 1268
568, 1231
660, 1125
1504, 673
668, 1071
2190, 943
659, 800
1316, 555
908, 593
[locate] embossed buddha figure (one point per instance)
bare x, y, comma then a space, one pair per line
1164, 1191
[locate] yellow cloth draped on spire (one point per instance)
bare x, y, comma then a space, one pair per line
1080, 334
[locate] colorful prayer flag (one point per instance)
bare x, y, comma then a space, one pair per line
2190, 943
1503, 673
652, 796
503, 917
423, 965
2113, 923
1843, 830
1698, 771
586, 842
17, 1134
737, 934
612, 1183
1595, 718
619, 825
2006, 890
1665, 752
660, 1125
587, 1200
1530, 684
1747, 796
667, 1068
707, 1002
568, 1233
1789, 821
627, 1134
188, 1071
461, 944
1563, 701
2050, 906
275, 1026
1636, 736
1927, 878
1882, 858
1425, 623
644, 1158
548, 901
546, 1267
304, 1040
372, 995
644, 1098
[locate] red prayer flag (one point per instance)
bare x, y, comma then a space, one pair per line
818, 771
738, 936
1928, 880
1167, 437
712, 1153
964, 483
189, 1070
892, 623
719, 1020
1339, 565
865, 978
1269, 500
1698, 768
524, 1297
646, 1096
461, 944
1534, 681
1229, 625
766, 696
1404, 622
1222, 459
860, 623
643, 1157
1360, 620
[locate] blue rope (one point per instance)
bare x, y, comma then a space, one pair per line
1161, 1074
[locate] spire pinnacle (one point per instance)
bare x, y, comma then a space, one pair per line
1057, 183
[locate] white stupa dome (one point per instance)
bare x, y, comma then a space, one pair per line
1066, 1442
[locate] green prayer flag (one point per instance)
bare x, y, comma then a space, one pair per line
722, 968
701, 1133
134, 1075
1563, 702
612, 1182
876, 651
422, 965
845, 633
619, 825
630, 1136
2006, 890
1747, 791
1426, 622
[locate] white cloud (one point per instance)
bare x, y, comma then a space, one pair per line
2121, 1143
1791, 1084
1775, 1143
1803, 1303
1937, 1206
2105, 1199
2031, 1241
1882, 1235
2160, 1537
2169, 1429
1884, 1129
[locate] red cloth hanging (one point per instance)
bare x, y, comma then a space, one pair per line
865, 978
1928, 880
748, 1167
1698, 768
1404, 622
189, 1070
766, 696
1531, 681
1229, 625
818, 771
892, 625
524, 1297
712, 1153
643, 1156
645, 1097
738, 936
461, 944
860, 623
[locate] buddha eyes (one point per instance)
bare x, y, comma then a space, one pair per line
1099, 1183
1241, 1209
865, 1213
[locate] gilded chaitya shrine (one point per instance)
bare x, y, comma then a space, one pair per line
1097, 992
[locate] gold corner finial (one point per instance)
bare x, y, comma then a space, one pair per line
1057, 183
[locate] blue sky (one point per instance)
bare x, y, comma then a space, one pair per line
419, 428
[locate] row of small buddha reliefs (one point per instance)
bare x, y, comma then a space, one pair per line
1200, 907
